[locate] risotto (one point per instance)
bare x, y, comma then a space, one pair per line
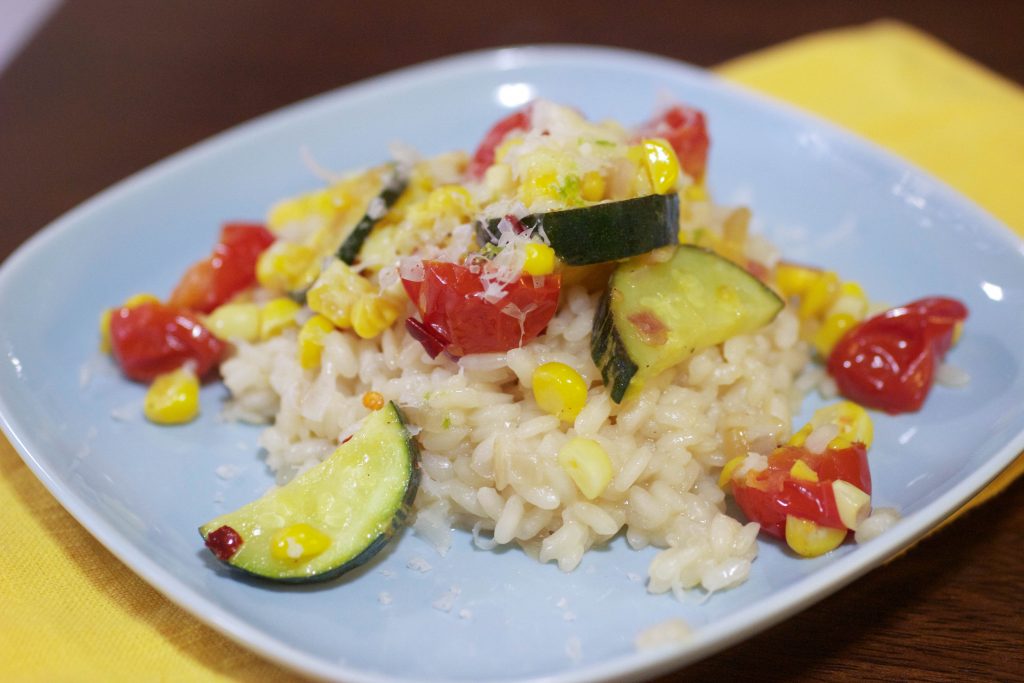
579, 342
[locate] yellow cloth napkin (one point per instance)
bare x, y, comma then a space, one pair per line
69, 611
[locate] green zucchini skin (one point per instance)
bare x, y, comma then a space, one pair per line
384, 428
656, 313
602, 232
393, 189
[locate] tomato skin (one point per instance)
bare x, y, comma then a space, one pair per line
449, 301
230, 269
686, 130
888, 362
484, 156
150, 339
767, 497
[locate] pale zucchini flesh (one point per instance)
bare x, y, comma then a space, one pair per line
660, 309
359, 497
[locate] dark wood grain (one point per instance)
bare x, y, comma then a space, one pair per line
109, 87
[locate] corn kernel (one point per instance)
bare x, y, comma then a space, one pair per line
322, 203
803, 472
850, 300
587, 464
139, 299
453, 200
371, 314
498, 179
728, 470
336, 291
662, 165
298, 542
105, 345
559, 390
836, 325
853, 421
593, 186
540, 259
853, 504
287, 267
235, 322
811, 540
311, 340
696, 193
958, 329
819, 295
373, 400
172, 398
277, 315
538, 186
502, 150
793, 280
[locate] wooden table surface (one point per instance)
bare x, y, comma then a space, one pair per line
106, 88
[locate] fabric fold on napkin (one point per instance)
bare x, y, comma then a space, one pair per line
71, 611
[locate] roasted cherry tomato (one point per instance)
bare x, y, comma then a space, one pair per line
684, 128
768, 496
450, 300
151, 338
484, 156
888, 362
229, 270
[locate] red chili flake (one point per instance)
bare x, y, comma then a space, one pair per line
433, 341
224, 542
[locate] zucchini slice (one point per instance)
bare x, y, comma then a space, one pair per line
658, 311
333, 517
602, 232
394, 185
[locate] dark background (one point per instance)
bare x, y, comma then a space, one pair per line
106, 88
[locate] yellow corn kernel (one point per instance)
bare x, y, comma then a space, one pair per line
559, 390
277, 315
540, 259
105, 346
172, 398
661, 163
452, 200
831, 331
853, 421
587, 464
803, 472
958, 329
235, 322
322, 203
793, 280
336, 291
538, 186
853, 504
728, 470
298, 542
311, 340
851, 300
819, 295
139, 299
287, 267
593, 186
809, 539
696, 193
371, 314
373, 400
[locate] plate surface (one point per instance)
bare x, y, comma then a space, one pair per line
822, 195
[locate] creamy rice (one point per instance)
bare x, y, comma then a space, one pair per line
489, 452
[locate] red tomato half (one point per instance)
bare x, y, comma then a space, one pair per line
449, 299
888, 362
685, 129
768, 496
229, 270
484, 156
152, 338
